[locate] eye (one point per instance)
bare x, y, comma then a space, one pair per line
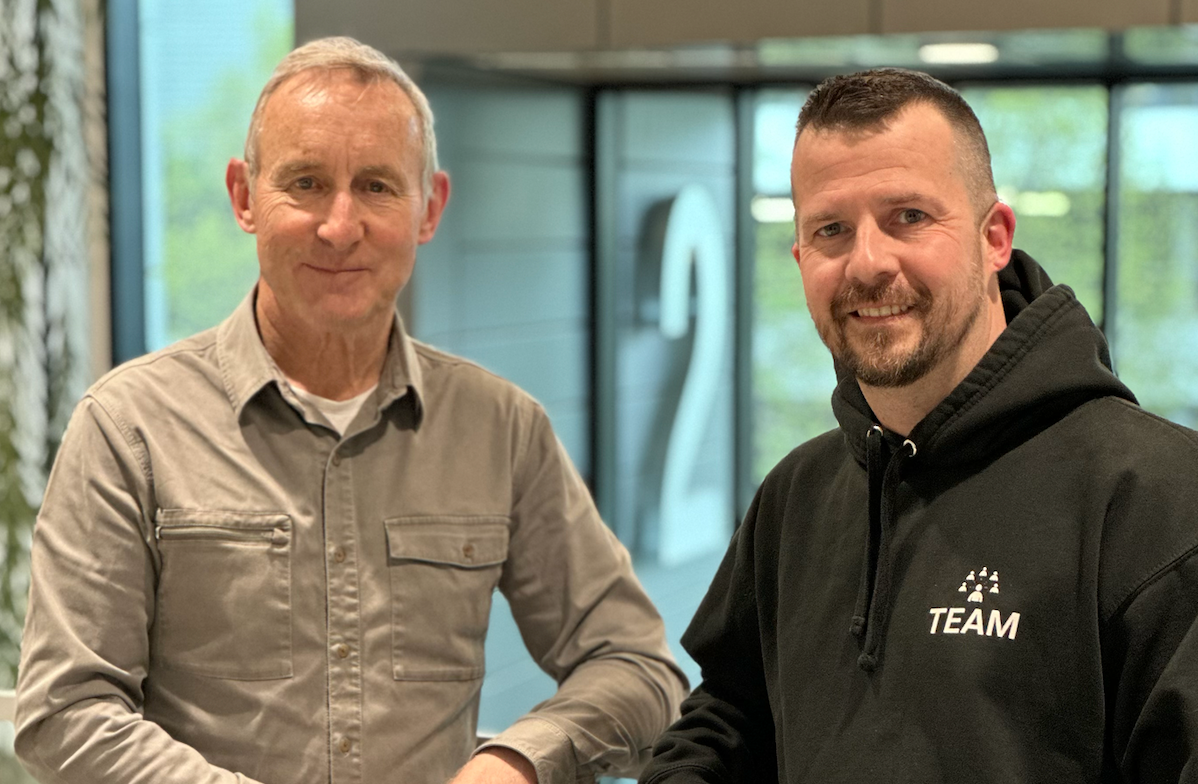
912, 215
831, 230
305, 183
374, 186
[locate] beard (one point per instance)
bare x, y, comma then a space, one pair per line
874, 354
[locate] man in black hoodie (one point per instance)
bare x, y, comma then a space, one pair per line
988, 573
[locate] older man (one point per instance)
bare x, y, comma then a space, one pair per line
989, 572
267, 553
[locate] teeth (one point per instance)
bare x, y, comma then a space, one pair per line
889, 310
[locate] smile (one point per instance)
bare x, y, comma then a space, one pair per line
886, 310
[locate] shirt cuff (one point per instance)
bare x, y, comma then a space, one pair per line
547, 747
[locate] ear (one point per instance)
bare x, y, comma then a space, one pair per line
998, 234
237, 180
434, 206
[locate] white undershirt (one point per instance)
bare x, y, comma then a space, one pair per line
339, 412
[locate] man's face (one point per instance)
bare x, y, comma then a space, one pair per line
894, 256
337, 204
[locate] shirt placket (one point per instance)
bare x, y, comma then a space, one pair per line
344, 622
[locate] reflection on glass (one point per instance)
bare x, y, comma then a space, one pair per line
1155, 337
202, 67
1020, 48
1048, 149
792, 371
1173, 45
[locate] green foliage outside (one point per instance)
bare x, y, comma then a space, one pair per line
209, 263
1052, 140
1155, 333
26, 148
792, 370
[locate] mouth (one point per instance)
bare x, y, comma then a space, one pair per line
333, 270
882, 311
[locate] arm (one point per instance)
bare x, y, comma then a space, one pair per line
1152, 679
726, 733
586, 621
85, 650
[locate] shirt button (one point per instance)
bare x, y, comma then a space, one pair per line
345, 745
343, 653
468, 551
339, 555
336, 459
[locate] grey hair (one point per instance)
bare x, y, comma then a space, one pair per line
369, 64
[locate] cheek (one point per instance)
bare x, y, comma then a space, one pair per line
821, 282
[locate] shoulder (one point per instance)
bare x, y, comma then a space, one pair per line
174, 381
193, 356
798, 490
813, 463
1147, 465
451, 381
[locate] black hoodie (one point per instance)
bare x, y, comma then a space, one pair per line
1007, 595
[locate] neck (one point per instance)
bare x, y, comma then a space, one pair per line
333, 363
900, 409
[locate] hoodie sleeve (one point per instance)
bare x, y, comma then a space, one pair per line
1152, 678
726, 733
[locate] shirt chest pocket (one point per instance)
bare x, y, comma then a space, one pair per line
224, 594
443, 573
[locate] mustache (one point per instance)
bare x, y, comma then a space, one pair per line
890, 292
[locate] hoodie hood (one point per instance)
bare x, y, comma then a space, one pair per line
1048, 361
1014, 392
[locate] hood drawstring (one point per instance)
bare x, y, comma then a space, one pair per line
873, 593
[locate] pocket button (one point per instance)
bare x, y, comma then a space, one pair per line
468, 551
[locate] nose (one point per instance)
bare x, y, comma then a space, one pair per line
342, 225
871, 257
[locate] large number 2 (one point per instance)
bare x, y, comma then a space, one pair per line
693, 519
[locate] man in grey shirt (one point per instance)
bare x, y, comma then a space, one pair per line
267, 553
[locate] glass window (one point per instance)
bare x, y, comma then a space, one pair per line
202, 66
1048, 150
792, 370
1155, 335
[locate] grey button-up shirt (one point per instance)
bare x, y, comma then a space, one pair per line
226, 590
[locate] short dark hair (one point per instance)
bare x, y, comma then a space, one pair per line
866, 101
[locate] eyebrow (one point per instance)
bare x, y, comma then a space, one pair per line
292, 168
382, 171
912, 197
818, 217
908, 198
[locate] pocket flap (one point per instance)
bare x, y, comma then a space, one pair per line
466, 542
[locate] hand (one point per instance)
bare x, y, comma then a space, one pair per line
497, 765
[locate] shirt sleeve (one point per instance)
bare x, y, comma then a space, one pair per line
726, 732
587, 622
1152, 678
85, 648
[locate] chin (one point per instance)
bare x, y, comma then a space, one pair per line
348, 314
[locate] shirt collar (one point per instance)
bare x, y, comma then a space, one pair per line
246, 367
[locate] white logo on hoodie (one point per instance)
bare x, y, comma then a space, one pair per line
978, 586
